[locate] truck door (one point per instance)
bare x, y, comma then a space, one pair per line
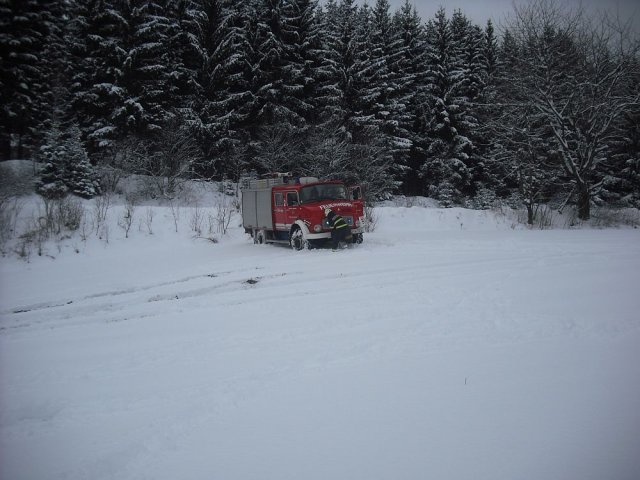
279, 211
292, 207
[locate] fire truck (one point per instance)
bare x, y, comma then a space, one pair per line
289, 210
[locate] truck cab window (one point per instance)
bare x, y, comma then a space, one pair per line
278, 200
309, 194
292, 199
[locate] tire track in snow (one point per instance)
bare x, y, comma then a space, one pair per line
275, 286
120, 300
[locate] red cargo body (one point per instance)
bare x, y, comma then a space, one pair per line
283, 210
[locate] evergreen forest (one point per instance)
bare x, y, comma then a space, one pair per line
542, 109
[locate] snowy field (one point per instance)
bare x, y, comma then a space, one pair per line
449, 345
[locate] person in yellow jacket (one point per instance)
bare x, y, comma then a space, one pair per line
340, 231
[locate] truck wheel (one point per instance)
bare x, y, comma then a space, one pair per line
357, 238
260, 237
297, 240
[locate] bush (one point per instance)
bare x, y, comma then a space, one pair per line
10, 209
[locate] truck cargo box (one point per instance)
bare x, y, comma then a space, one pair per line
256, 208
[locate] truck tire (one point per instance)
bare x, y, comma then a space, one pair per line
297, 240
260, 237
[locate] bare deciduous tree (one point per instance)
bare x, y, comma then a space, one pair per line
571, 70
278, 148
175, 152
125, 156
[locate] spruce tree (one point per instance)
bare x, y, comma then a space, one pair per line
226, 105
81, 177
445, 171
350, 63
390, 80
67, 168
365, 90
98, 93
145, 106
27, 30
270, 61
490, 172
184, 57
412, 95
330, 94
303, 52
51, 183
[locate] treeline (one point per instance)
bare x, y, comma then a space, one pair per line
547, 111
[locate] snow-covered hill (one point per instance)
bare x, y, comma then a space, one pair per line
449, 345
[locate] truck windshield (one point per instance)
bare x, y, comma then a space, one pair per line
316, 193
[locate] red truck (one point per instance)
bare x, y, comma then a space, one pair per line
290, 210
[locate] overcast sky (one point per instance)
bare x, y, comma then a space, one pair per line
481, 10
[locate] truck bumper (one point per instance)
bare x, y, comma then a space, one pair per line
324, 235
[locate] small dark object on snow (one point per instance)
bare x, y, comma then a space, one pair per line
251, 281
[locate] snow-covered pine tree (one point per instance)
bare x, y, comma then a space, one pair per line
51, 183
445, 172
282, 137
226, 104
121, 78
271, 59
490, 172
283, 52
67, 168
184, 56
27, 27
81, 177
374, 73
390, 83
97, 31
330, 94
343, 62
491, 52
468, 83
341, 141
363, 94
53, 65
301, 35
212, 26
475, 95
144, 71
412, 99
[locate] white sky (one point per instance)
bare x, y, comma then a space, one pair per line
481, 10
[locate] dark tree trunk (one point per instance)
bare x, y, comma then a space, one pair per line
530, 213
5, 148
584, 202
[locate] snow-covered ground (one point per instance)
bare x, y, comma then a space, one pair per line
449, 345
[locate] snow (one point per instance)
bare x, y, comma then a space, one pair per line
451, 344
